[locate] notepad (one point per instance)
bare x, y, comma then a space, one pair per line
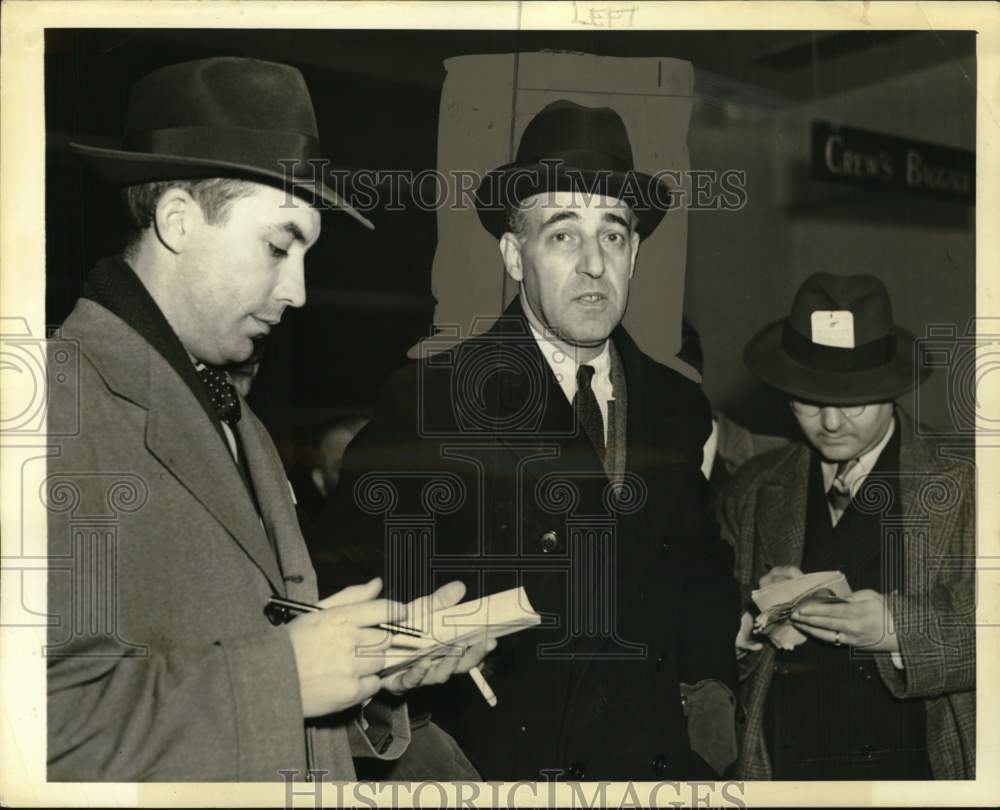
777, 602
461, 625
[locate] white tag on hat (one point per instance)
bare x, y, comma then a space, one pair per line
833, 327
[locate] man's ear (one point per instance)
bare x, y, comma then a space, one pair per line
176, 217
510, 249
635, 252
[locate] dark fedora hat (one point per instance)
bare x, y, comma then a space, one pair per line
838, 346
221, 117
568, 147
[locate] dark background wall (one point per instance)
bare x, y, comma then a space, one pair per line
377, 94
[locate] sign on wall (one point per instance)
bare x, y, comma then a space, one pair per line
874, 160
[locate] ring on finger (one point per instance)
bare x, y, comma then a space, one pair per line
836, 639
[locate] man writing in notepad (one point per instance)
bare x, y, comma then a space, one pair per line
161, 663
882, 685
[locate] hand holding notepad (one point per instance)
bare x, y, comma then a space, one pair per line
431, 632
777, 602
442, 632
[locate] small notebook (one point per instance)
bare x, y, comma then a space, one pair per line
777, 602
466, 623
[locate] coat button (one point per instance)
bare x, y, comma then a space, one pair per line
665, 550
577, 772
659, 765
659, 664
549, 541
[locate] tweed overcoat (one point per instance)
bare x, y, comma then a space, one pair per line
762, 513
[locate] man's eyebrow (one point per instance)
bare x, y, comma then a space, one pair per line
293, 229
609, 217
559, 217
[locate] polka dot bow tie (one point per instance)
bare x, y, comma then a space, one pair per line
222, 394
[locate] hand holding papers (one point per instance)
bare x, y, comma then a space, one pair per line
442, 632
777, 601
435, 628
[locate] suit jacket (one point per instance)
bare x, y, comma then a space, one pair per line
162, 665
763, 515
474, 468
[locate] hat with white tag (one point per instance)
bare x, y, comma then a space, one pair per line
838, 346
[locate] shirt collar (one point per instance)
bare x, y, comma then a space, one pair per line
565, 366
866, 463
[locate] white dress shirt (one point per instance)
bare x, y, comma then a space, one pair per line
857, 474
565, 366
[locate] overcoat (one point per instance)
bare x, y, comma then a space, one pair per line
474, 468
763, 515
161, 664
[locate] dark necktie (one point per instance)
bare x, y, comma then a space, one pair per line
222, 394
587, 410
839, 494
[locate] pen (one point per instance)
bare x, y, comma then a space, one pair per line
280, 610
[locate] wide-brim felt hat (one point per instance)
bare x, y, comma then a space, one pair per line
838, 346
569, 147
223, 117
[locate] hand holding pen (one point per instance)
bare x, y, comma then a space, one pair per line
325, 641
326, 636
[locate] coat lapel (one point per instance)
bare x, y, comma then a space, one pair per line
177, 433
781, 510
184, 440
526, 385
277, 508
616, 457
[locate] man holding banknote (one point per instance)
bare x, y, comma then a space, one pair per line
880, 684
162, 664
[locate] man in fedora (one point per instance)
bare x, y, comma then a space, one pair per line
551, 453
882, 685
162, 664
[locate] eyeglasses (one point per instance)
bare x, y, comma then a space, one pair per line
813, 409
